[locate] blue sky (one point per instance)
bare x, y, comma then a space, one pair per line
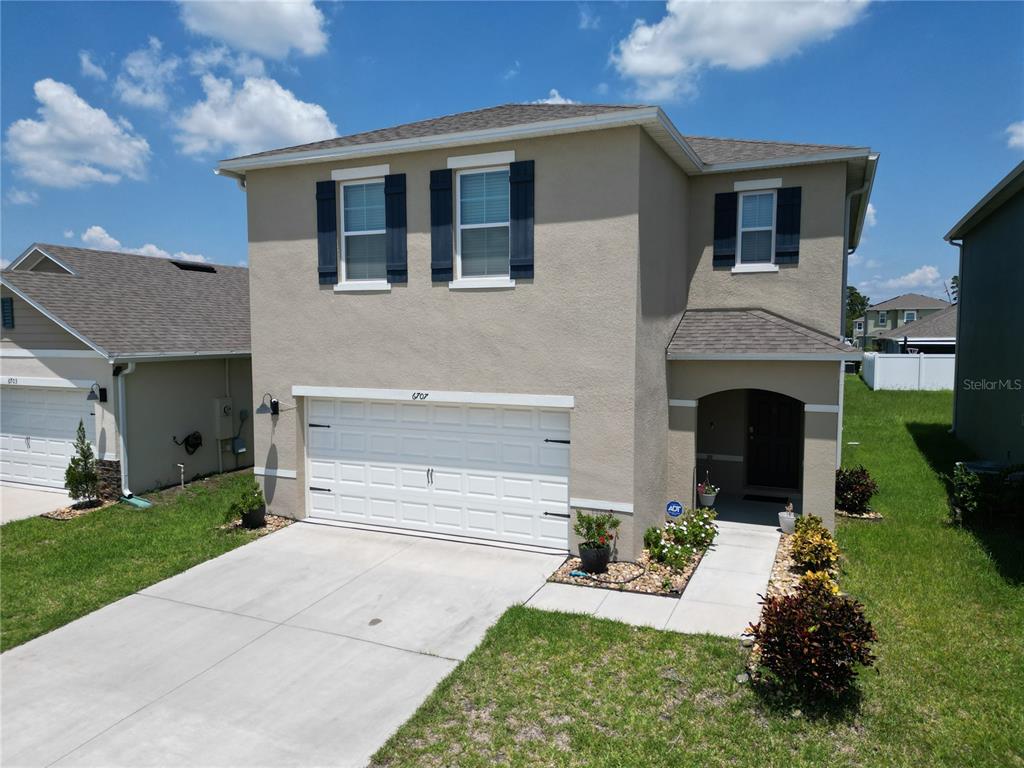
111, 130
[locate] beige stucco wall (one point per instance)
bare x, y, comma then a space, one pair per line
169, 399
809, 292
33, 330
571, 330
814, 383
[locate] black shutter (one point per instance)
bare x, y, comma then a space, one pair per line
394, 222
8, 311
327, 232
787, 225
520, 179
725, 229
441, 225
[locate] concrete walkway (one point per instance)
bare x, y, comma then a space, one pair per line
308, 647
720, 599
20, 502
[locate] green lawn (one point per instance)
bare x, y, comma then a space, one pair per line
52, 572
948, 689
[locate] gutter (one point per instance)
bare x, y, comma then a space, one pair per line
122, 425
864, 190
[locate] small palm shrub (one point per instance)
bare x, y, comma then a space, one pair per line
813, 641
854, 489
81, 478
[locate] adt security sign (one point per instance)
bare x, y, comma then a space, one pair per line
674, 509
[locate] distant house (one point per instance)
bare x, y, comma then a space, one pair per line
144, 352
893, 313
933, 334
988, 411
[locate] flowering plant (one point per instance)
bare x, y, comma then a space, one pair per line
707, 488
675, 544
596, 531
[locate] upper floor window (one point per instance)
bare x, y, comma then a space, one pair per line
909, 315
363, 241
482, 230
860, 326
882, 317
756, 227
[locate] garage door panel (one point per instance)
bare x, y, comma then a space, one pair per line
38, 427
492, 475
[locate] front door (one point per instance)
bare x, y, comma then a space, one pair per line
774, 437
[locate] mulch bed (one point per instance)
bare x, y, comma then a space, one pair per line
77, 510
869, 515
644, 576
274, 523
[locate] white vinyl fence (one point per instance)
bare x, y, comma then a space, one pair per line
882, 371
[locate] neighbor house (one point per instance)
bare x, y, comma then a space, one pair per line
933, 334
893, 313
988, 412
146, 353
474, 325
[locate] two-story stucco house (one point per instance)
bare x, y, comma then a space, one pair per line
473, 325
886, 316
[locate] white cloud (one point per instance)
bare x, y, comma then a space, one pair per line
665, 58
242, 64
588, 19
145, 76
270, 29
21, 197
926, 277
97, 237
260, 115
1015, 135
871, 217
554, 97
601, 89
73, 143
69, 234
89, 67
512, 71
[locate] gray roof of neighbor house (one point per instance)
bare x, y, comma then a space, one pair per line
127, 306
938, 325
910, 301
754, 334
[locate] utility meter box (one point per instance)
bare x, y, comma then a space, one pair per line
223, 418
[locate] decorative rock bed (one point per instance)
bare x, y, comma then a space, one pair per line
785, 573
274, 523
644, 576
869, 515
77, 510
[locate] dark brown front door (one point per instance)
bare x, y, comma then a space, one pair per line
774, 436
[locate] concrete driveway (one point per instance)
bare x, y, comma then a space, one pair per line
19, 502
308, 647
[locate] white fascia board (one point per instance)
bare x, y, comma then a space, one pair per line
872, 165
677, 137
782, 162
363, 172
166, 357
520, 131
36, 247
49, 353
753, 356
923, 339
436, 396
46, 313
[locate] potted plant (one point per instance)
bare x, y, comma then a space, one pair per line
597, 535
707, 491
787, 518
250, 506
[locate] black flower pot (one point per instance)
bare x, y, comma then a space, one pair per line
595, 559
255, 518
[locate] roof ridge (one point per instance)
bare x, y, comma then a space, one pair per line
774, 141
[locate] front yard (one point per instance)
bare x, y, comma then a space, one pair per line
948, 687
52, 572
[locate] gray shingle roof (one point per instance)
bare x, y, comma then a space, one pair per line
710, 150
130, 305
753, 333
938, 325
911, 301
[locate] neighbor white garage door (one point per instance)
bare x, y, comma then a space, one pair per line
37, 433
489, 472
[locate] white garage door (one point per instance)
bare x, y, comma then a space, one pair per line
487, 472
37, 433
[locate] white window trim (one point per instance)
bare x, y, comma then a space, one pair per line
345, 285
478, 161
740, 266
365, 172
883, 318
756, 185
909, 312
859, 325
477, 282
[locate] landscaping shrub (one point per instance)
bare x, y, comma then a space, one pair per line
596, 530
676, 543
813, 641
818, 581
809, 524
986, 496
854, 489
81, 478
815, 550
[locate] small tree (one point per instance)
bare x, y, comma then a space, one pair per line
81, 478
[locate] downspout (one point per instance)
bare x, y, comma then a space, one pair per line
848, 251
959, 319
122, 426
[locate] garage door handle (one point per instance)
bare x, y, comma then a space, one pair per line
557, 514
323, 490
549, 440
320, 426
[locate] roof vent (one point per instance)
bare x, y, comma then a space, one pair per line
193, 266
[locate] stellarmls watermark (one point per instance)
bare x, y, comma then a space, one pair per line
992, 385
